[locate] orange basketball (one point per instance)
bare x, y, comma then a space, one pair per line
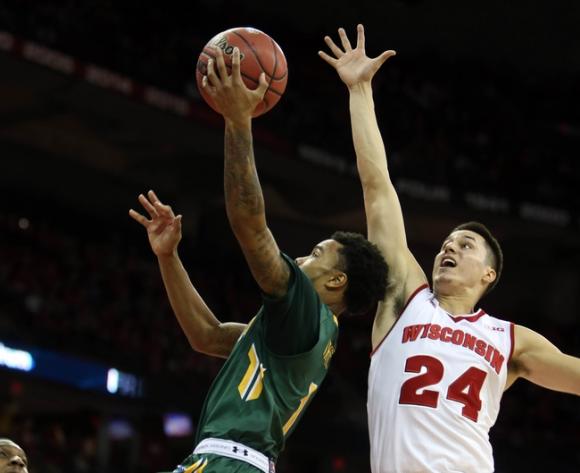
258, 53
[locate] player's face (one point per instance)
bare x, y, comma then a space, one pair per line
322, 260
461, 262
12, 458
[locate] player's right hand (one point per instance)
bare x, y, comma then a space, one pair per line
234, 100
163, 227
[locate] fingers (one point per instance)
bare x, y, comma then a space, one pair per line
330, 60
147, 206
221, 65
161, 209
236, 75
262, 86
379, 61
152, 196
211, 76
360, 38
344, 40
139, 218
208, 88
333, 47
164, 210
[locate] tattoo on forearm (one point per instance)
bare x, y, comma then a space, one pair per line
241, 184
245, 203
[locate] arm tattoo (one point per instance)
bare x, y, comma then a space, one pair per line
242, 187
246, 213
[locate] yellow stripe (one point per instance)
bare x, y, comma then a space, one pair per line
335, 319
258, 386
244, 384
191, 469
202, 467
288, 425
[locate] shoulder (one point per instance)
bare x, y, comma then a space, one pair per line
297, 283
526, 339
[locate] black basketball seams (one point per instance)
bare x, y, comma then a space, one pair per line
275, 49
272, 76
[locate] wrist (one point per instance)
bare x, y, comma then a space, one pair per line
168, 256
240, 123
360, 87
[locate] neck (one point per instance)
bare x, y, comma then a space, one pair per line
457, 305
337, 308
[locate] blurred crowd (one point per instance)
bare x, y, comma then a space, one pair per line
460, 122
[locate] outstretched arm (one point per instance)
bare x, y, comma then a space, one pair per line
203, 330
385, 223
383, 211
243, 193
539, 361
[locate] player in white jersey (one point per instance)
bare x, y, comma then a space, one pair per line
438, 368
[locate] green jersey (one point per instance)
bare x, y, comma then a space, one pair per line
262, 391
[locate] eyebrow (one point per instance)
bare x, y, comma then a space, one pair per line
462, 236
318, 247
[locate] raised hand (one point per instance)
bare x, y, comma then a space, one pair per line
353, 65
163, 227
234, 100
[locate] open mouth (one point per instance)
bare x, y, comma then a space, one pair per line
448, 262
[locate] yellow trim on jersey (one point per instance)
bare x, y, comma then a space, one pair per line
328, 352
252, 383
290, 422
197, 467
335, 318
202, 467
258, 385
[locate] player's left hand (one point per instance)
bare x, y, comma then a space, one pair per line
353, 65
235, 101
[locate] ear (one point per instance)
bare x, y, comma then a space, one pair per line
489, 276
337, 281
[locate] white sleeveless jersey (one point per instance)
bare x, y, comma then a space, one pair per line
435, 385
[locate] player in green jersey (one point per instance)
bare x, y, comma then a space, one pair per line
276, 363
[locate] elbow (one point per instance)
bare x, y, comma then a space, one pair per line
197, 345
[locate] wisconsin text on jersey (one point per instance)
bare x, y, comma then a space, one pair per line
459, 337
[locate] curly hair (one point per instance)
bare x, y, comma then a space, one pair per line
366, 270
494, 250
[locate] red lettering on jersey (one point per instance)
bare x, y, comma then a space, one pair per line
434, 331
411, 333
445, 334
469, 341
497, 361
489, 352
480, 347
457, 337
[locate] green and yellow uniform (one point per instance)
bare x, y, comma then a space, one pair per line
269, 378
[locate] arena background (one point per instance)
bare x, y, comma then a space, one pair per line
98, 103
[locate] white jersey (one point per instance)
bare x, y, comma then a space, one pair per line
435, 385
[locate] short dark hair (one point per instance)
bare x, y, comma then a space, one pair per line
492, 244
366, 269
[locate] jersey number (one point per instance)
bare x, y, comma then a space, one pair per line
464, 389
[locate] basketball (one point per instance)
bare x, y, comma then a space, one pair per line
258, 53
